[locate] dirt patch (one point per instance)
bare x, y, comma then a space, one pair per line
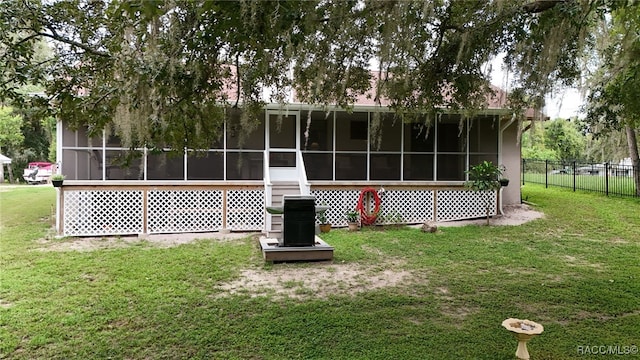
156, 240
5, 304
513, 215
579, 262
318, 281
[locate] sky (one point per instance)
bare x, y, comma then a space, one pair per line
562, 104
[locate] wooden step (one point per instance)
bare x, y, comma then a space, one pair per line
278, 191
272, 251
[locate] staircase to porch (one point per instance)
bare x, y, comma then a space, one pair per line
278, 190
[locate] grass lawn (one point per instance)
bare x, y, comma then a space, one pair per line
617, 185
576, 271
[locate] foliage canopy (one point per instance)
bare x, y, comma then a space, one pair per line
484, 178
10, 134
563, 137
613, 100
162, 73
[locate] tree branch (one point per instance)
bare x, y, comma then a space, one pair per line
12, 79
82, 46
55, 36
539, 6
238, 80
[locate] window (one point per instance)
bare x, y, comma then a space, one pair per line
319, 166
385, 147
385, 166
124, 165
320, 131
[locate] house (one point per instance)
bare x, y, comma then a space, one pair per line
623, 168
3, 160
593, 169
418, 171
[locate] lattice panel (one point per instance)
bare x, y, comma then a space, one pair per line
102, 212
464, 204
175, 211
340, 202
405, 206
245, 209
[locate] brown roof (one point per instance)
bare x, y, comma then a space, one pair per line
496, 100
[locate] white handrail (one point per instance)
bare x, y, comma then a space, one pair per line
265, 175
267, 191
305, 187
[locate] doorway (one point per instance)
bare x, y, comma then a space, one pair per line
283, 144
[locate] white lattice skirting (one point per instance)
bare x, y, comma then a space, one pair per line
121, 212
157, 210
103, 212
184, 211
408, 206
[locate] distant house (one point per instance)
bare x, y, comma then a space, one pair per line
422, 172
3, 160
592, 169
623, 168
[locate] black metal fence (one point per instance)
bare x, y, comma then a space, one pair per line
609, 179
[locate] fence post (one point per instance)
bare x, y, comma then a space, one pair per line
523, 170
606, 178
634, 172
574, 176
546, 174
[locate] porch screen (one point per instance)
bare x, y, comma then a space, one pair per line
451, 136
316, 143
205, 166
81, 155
419, 151
351, 145
483, 140
165, 166
336, 145
385, 145
123, 165
245, 146
245, 166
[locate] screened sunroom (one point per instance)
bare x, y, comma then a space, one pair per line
419, 170
340, 146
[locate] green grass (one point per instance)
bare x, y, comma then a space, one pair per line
616, 185
577, 271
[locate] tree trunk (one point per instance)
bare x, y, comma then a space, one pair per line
633, 153
10, 168
488, 216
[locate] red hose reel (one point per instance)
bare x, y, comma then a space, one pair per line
365, 217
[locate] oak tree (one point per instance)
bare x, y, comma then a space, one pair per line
164, 73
